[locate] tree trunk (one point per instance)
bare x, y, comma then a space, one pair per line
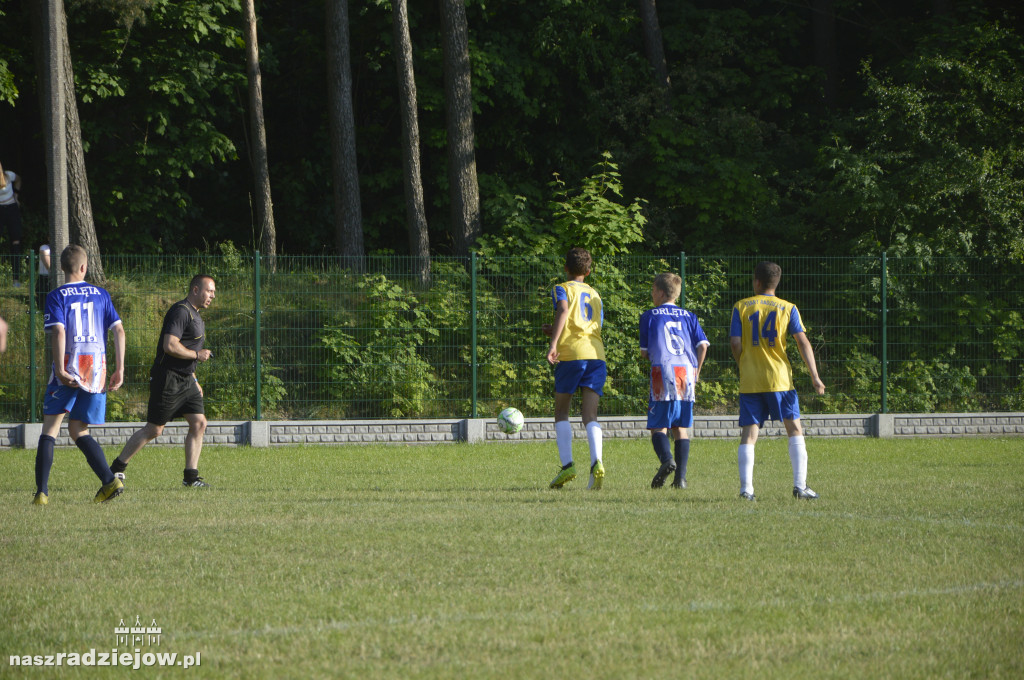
458, 91
824, 26
348, 218
258, 149
415, 213
82, 226
654, 46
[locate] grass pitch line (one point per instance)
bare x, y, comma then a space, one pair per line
502, 616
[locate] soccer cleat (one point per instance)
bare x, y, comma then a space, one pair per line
596, 476
40, 499
198, 483
805, 492
109, 491
747, 496
565, 475
679, 484
662, 474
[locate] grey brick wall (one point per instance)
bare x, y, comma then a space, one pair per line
282, 433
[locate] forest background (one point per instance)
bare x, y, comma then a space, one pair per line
749, 126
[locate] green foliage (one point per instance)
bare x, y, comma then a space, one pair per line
934, 166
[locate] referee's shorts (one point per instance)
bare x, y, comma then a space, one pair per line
172, 394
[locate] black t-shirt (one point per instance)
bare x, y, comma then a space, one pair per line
183, 322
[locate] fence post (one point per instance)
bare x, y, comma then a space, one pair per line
33, 281
682, 275
885, 344
472, 332
256, 316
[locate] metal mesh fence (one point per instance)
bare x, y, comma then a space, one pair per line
371, 338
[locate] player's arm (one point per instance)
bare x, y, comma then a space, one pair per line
117, 377
807, 354
172, 347
561, 316
3, 335
57, 347
702, 353
736, 335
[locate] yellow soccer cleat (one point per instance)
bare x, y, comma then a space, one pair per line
596, 476
565, 475
40, 499
109, 491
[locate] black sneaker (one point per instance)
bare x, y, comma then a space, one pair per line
747, 496
663, 472
198, 482
805, 493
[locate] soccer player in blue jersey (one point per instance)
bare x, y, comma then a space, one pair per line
674, 342
577, 353
758, 333
79, 316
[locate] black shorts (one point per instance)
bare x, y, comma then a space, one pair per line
171, 395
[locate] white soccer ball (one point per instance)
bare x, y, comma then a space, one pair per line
510, 420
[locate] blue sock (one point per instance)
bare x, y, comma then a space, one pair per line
682, 457
97, 461
662, 446
44, 461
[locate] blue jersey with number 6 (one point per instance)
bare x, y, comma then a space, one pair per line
763, 322
671, 335
86, 314
581, 337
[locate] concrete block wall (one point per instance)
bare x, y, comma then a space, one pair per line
282, 433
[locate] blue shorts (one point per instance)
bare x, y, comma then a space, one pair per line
572, 375
88, 407
664, 414
758, 407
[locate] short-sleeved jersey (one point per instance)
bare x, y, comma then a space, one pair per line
762, 322
671, 335
183, 322
581, 337
86, 313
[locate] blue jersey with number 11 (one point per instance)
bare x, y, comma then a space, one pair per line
86, 313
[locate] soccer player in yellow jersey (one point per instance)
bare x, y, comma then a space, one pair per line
577, 353
757, 337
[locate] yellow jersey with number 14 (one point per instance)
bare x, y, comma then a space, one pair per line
581, 337
763, 322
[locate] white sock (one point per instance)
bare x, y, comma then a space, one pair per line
746, 461
563, 437
594, 438
798, 457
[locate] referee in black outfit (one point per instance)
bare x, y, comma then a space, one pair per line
173, 388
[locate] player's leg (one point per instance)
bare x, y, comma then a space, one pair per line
139, 439
589, 400
92, 408
160, 409
661, 444
753, 414
563, 439
193, 449
681, 455
797, 450
44, 453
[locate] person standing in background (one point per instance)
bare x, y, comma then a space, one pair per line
10, 219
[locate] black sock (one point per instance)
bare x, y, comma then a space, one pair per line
44, 461
682, 458
118, 466
661, 447
191, 475
94, 455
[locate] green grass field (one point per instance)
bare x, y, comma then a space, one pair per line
458, 561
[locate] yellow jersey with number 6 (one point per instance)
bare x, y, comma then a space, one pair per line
763, 322
581, 337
